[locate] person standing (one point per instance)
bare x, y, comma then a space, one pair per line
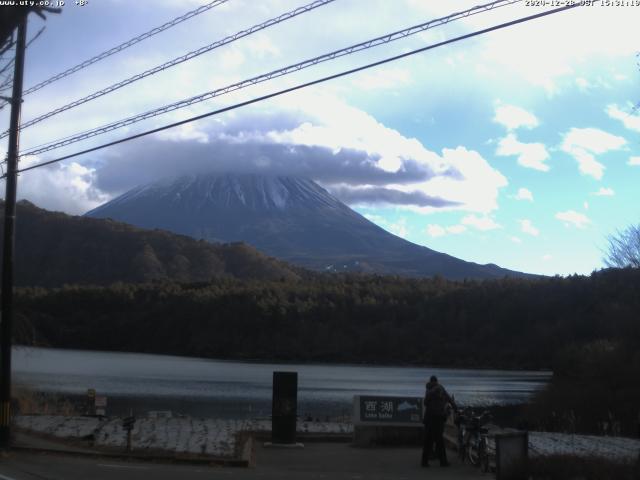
436, 400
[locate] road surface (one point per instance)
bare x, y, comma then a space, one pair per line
315, 461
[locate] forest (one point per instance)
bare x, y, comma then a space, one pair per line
507, 323
53, 248
99, 284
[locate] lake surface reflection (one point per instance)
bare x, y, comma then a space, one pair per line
214, 388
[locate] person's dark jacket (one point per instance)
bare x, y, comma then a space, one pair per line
436, 399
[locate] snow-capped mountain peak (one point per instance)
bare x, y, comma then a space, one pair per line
291, 218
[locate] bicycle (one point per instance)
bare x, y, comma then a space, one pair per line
472, 439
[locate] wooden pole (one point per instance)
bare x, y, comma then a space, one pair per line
6, 307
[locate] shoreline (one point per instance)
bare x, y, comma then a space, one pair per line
504, 415
541, 371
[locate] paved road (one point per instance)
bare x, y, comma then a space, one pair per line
315, 461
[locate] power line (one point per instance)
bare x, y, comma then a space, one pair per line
4, 85
245, 83
9, 63
6, 66
7, 47
12, 59
127, 44
177, 61
300, 86
35, 37
270, 75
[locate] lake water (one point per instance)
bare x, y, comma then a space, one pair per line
214, 388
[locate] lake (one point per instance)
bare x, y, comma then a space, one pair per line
226, 389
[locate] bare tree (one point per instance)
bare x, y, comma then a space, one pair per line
624, 248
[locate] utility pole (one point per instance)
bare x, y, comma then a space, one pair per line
6, 327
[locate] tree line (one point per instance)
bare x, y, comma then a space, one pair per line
53, 248
507, 323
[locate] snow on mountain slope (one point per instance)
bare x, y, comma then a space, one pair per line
290, 218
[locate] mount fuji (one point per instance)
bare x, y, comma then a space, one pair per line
293, 219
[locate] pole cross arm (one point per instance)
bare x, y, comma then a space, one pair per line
13, 17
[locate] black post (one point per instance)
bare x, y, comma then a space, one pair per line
284, 410
6, 328
129, 429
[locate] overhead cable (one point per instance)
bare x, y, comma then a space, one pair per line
9, 80
299, 86
270, 75
124, 45
177, 61
12, 59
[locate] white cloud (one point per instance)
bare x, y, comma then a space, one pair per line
474, 187
189, 131
604, 192
481, 223
183, 3
632, 122
400, 228
261, 45
513, 117
587, 164
547, 257
232, 58
530, 155
67, 187
586, 205
456, 229
634, 161
582, 143
582, 83
524, 194
377, 219
592, 139
319, 136
515, 239
435, 230
383, 79
547, 60
329, 122
526, 226
571, 217
478, 185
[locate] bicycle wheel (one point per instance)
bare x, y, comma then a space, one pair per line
461, 446
483, 454
462, 453
473, 450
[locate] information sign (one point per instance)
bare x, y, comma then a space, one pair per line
397, 410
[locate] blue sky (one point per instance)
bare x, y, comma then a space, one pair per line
518, 148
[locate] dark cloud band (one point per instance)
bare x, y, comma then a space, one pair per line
382, 195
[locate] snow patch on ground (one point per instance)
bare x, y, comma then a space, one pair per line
612, 448
184, 435
218, 437
544, 444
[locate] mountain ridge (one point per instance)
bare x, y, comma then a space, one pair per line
53, 249
290, 218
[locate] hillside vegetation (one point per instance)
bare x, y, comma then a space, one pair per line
53, 249
502, 323
124, 289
